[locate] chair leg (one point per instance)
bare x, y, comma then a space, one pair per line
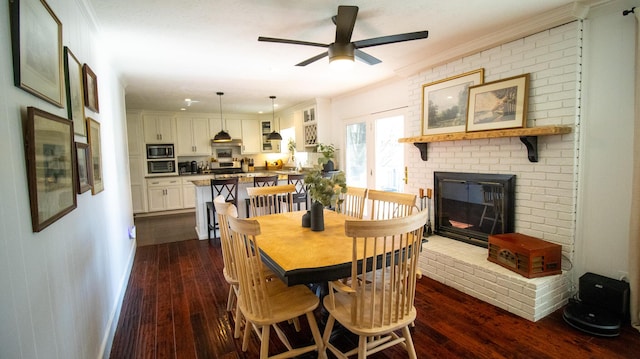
313, 325
409, 343
264, 338
245, 336
362, 347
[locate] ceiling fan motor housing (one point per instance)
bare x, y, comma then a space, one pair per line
341, 51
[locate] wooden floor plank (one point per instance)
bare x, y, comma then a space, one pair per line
175, 307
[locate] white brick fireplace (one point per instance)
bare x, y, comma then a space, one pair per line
545, 190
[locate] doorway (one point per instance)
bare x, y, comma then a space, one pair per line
374, 158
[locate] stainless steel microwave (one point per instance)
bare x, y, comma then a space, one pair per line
156, 167
159, 151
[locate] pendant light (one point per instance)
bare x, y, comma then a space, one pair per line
273, 136
222, 136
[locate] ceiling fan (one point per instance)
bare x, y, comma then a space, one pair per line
343, 48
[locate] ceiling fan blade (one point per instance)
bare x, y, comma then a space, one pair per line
293, 42
345, 21
313, 59
391, 39
366, 58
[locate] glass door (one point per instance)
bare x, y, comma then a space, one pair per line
374, 158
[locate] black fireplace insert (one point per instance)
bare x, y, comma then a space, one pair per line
471, 206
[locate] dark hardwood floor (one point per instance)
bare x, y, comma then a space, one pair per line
175, 307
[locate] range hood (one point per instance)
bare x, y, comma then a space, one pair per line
232, 143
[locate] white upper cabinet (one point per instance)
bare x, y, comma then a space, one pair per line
193, 137
158, 129
251, 137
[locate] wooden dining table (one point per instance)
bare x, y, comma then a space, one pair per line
299, 255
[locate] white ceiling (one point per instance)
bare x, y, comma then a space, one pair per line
171, 50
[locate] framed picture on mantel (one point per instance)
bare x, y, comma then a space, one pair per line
444, 103
499, 104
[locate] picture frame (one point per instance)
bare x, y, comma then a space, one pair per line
444, 103
36, 44
93, 137
499, 104
74, 92
51, 167
90, 82
83, 164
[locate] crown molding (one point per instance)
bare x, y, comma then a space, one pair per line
571, 12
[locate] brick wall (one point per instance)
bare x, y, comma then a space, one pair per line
545, 191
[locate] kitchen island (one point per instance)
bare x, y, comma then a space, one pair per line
245, 180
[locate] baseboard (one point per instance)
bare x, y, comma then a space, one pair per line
112, 325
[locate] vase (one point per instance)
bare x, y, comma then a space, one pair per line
328, 167
317, 217
306, 219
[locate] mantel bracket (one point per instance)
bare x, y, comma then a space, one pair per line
422, 146
531, 142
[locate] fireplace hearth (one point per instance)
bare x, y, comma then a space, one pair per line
471, 206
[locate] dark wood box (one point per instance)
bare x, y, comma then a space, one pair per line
529, 256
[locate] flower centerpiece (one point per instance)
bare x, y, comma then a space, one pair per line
291, 146
328, 151
324, 189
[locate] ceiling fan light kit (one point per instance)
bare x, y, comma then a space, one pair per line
343, 50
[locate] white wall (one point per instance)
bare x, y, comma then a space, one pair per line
606, 141
61, 288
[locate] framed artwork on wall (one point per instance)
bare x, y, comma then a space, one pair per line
51, 167
83, 163
96, 155
444, 103
36, 41
75, 92
499, 104
90, 81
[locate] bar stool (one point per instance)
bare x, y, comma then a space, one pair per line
262, 181
300, 196
228, 188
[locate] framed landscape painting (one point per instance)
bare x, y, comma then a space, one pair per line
499, 104
444, 103
36, 41
90, 81
75, 93
51, 167
83, 162
96, 156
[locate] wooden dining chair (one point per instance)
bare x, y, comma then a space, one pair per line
270, 200
353, 202
228, 188
387, 205
225, 210
374, 310
262, 181
265, 303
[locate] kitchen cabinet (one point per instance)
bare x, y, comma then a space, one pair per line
189, 190
136, 163
164, 194
159, 129
233, 127
251, 137
192, 137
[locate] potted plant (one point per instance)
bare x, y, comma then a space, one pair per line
326, 160
324, 189
291, 146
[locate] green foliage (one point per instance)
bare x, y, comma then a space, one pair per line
325, 190
291, 146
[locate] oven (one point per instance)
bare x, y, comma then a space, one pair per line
161, 167
156, 151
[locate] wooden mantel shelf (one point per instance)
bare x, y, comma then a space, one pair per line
528, 136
